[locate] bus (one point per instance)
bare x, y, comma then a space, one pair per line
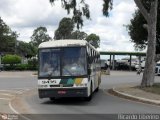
68, 68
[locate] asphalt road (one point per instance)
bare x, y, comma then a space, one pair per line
101, 104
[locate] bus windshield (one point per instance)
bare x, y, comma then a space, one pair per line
68, 61
49, 62
74, 62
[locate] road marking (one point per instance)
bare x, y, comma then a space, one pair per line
16, 90
4, 99
10, 105
6, 94
3, 76
20, 88
19, 92
11, 92
16, 112
6, 90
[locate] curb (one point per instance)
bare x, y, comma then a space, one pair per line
140, 99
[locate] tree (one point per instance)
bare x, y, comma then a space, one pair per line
7, 38
65, 29
93, 39
39, 35
148, 8
79, 10
26, 49
138, 33
78, 35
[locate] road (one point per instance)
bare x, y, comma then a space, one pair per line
102, 103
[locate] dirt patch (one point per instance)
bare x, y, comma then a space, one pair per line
154, 89
20, 105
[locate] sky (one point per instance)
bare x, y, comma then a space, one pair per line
24, 16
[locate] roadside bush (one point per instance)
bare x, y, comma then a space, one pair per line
11, 59
8, 67
12, 62
21, 67
33, 64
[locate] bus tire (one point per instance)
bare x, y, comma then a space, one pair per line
97, 89
89, 98
52, 98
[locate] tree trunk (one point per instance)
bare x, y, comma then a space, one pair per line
149, 71
157, 57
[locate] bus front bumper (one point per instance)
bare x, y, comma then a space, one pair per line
63, 92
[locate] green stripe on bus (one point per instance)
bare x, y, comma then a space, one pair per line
70, 81
63, 81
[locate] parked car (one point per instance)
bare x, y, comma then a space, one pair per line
157, 70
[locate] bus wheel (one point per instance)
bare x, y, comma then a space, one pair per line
89, 98
97, 89
52, 98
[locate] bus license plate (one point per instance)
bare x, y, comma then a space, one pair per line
61, 92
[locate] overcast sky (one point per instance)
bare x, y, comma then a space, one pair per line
24, 16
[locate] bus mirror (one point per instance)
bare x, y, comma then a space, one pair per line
89, 71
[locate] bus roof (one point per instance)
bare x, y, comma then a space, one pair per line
63, 43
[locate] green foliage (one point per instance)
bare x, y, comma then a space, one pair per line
139, 34
39, 35
7, 38
20, 67
78, 35
33, 61
12, 62
81, 9
26, 49
11, 59
10, 44
94, 40
33, 64
78, 10
107, 5
65, 29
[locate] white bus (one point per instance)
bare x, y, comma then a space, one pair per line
68, 68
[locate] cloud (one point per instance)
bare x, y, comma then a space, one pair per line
25, 16
111, 30
31, 13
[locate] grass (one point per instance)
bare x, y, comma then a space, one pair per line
154, 89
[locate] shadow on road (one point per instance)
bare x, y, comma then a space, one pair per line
75, 101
